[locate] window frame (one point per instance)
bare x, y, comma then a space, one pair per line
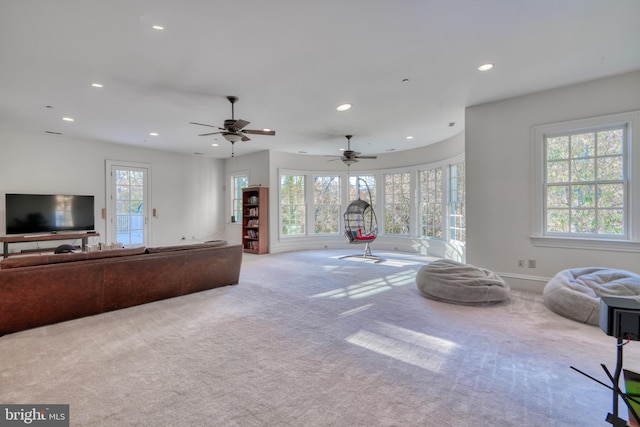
335, 177
409, 195
628, 242
306, 192
455, 210
235, 219
432, 202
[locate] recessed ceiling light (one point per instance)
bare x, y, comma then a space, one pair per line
214, 144
67, 119
405, 80
97, 85
485, 67
302, 152
153, 133
343, 107
409, 137
158, 27
342, 149
266, 130
452, 124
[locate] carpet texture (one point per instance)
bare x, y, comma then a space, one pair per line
308, 339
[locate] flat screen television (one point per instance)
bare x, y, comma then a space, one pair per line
48, 213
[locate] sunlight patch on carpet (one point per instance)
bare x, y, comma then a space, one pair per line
356, 310
370, 287
401, 263
418, 349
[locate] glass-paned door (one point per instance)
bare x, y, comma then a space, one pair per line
128, 217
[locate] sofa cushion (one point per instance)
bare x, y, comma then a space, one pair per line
29, 261
210, 244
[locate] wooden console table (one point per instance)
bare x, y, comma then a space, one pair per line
44, 237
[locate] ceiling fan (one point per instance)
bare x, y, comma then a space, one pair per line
233, 130
349, 156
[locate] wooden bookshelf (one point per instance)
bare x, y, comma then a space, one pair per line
255, 220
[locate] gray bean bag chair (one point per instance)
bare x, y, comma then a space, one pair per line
457, 283
576, 293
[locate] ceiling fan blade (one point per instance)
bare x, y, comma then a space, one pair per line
367, 157
202, 124
239, 124
260, 132
207, 134
245, 138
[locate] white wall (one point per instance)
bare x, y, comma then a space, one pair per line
256, 167
186, 190
499, 178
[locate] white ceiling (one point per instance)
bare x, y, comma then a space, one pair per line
291, 63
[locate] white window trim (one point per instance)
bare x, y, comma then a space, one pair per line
631, 243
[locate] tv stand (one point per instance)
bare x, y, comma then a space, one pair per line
42, 238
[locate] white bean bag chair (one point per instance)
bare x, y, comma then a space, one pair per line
457, 283
576, 293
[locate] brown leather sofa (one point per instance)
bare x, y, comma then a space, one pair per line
45, 289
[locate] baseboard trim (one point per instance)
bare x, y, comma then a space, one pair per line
525, 282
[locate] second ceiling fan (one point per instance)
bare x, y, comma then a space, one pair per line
349, 156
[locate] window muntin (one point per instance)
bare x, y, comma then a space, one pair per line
292, 204
397, 203
585, 185
326, 202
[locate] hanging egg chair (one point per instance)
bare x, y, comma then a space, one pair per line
361, 225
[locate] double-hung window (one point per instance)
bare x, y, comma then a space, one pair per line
292, 204
456, 202
326, 200
238, 182
583, 191
397, 203
431, 203
441, 211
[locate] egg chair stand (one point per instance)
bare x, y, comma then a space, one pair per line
361, 226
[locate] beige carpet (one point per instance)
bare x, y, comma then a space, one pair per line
307, 339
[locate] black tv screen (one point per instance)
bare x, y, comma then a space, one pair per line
46, 213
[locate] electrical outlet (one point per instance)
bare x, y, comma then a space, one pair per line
532, 263
520, 263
